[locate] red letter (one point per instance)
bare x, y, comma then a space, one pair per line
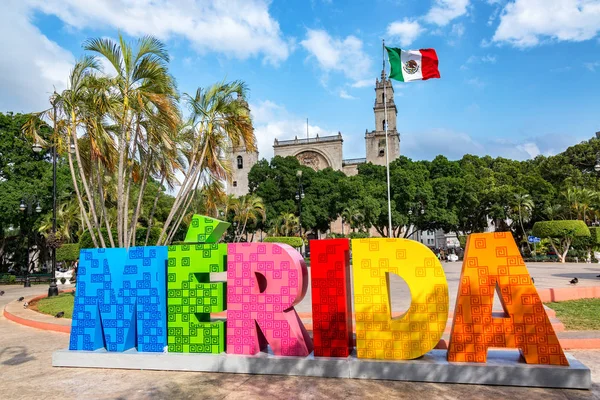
331, 303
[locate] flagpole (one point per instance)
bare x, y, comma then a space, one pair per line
387, 156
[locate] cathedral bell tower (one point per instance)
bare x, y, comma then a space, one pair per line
242, 162
375, 140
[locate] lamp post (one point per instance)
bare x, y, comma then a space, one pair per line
597, 166
26, 207
299, 197
53, 288
410, 213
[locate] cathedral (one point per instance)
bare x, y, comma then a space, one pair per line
322, 152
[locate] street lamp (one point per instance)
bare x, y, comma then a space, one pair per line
299, 197
26, 207
37, 147
52, 288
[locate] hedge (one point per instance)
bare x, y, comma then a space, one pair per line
68, 252
560, 229
85, 240
292, 240
588, 242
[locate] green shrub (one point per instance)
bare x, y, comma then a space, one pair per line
359, 235
292, 240
8, 279
68, 252
560, 229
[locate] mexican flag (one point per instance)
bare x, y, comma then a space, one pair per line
413, 65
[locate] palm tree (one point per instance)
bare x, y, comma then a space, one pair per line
287, 224
523, 205
219, 121
147, 100
68, 220
353, 216
247, 209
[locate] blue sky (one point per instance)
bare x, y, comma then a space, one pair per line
519, 77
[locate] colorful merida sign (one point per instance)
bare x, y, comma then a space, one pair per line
150, 298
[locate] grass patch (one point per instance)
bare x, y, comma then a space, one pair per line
53, 305
578, 315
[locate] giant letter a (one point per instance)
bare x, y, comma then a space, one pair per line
492, 261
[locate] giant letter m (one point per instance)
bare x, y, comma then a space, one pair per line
120, 301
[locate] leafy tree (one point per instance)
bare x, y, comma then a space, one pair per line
561, 234
24, 172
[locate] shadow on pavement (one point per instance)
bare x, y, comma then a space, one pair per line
15, 355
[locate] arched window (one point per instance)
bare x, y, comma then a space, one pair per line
240, 162
383, 97
234, 183
381, 153
383, 125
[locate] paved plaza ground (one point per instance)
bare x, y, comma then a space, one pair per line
26, 371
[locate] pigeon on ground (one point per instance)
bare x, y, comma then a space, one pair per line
21, 299
60, 314
574, 281
25, 305
1, 292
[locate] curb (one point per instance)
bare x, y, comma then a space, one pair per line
569, 293
37, 324
546, 295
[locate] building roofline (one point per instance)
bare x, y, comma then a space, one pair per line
317, 139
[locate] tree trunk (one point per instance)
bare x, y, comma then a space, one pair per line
84, 215
138, 206
84, 180
150, 219
194, 170
523, 229
103, 203
179, 220
130, 232
121, 170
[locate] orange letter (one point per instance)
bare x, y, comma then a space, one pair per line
492, 261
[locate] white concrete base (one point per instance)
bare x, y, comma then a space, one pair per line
504, 367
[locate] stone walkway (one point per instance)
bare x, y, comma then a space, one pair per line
26, 371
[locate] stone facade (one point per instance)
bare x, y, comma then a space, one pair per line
242, 162
317, 153
322, 152
375, 140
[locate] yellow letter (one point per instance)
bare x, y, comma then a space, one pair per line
419, 330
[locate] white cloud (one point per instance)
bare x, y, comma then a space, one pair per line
526, 23
236, 28
427, 145
530, 148
445, 11
273, 121
339, 55
405, 31
32, 65
592, 66
363, 83
476, 82
486, 59
458, 30
345, 95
